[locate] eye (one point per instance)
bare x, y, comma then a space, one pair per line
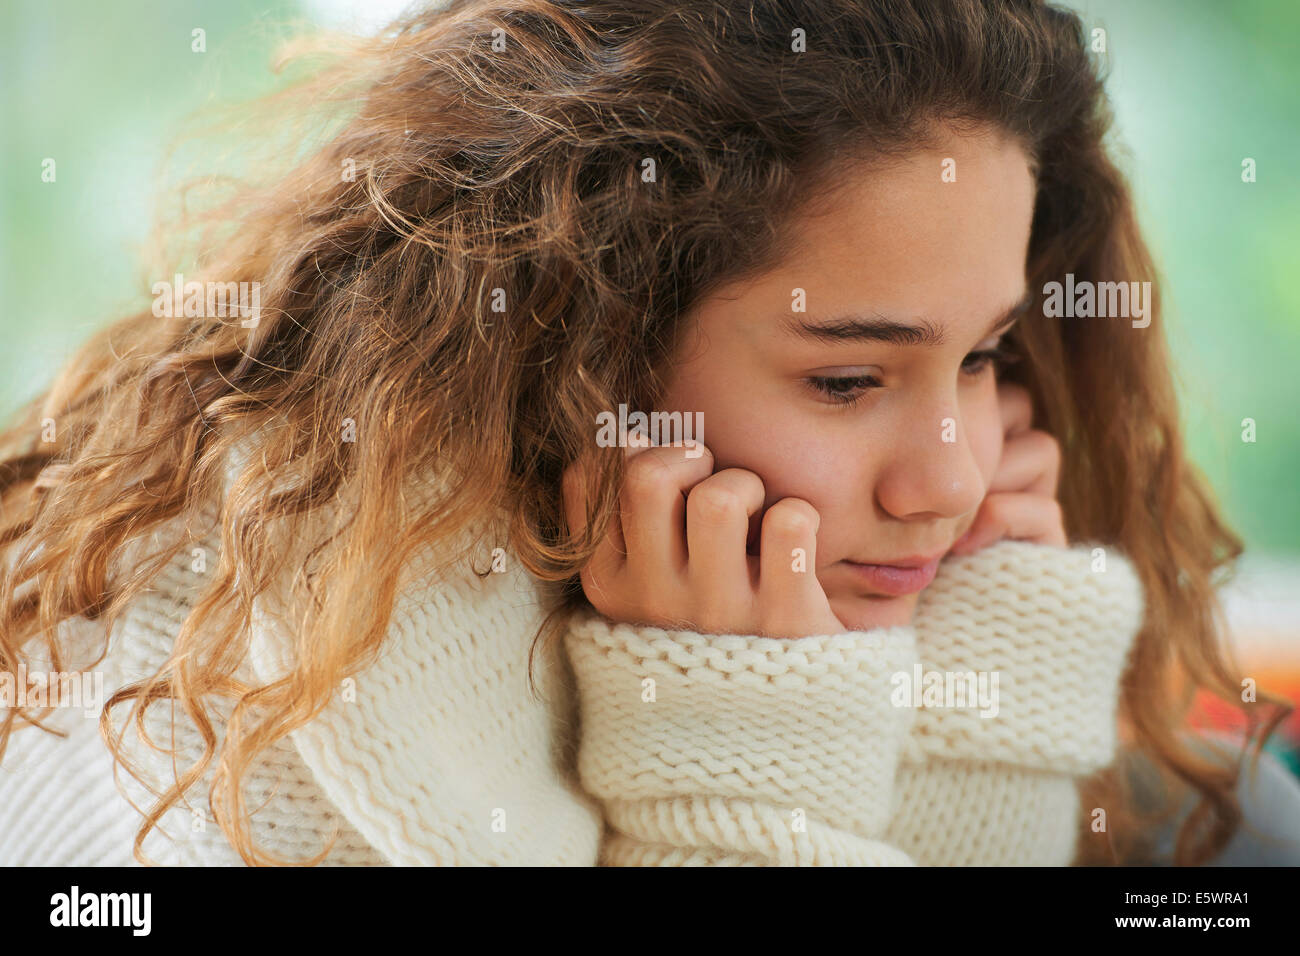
843, 391
849, 390
977, 363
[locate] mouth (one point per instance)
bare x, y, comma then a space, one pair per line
900, 577
915, 561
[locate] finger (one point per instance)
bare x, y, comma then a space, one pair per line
789, 592
1031, 462
602, 570
1018, 517
1016, 408
653, 507
722, 575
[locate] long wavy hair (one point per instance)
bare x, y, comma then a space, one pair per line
495, 217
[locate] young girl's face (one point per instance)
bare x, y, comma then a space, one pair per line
936, 241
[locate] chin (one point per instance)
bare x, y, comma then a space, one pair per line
867, 612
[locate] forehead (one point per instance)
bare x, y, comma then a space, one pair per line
941, 232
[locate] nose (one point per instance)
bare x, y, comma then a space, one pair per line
932, 471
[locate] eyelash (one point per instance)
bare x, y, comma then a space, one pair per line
996, 357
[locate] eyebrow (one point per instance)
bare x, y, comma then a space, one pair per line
879, 328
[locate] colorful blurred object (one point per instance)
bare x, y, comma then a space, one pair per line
1262, 606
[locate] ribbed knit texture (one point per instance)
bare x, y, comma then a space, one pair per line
734, 750
1056, 626
59, 804
444, 757
731, 750
645, 746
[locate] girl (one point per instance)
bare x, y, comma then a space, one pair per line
932, 543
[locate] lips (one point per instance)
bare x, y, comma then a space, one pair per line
915, 561
897, 579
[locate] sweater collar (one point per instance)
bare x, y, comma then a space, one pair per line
438, 752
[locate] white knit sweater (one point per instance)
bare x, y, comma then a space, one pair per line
647, 747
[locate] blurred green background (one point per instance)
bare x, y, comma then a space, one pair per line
1198, 85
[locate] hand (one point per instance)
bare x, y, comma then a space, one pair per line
676, 556
1021, 500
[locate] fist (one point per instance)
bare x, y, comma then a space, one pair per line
676, 555
1021, 499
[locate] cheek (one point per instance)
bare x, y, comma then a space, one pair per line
792, 462
819, 473
769, 438
759, 431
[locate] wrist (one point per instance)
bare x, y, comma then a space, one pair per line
803, 724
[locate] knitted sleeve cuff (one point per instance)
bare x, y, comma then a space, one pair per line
1036, 638
722, 749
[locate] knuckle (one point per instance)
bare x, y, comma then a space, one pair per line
1048, 450
713, 501
745, 483
791, 517
1045, 442
645, 474
992, 509
705, 456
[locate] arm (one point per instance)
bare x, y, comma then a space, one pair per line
737, 738
1056, 631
